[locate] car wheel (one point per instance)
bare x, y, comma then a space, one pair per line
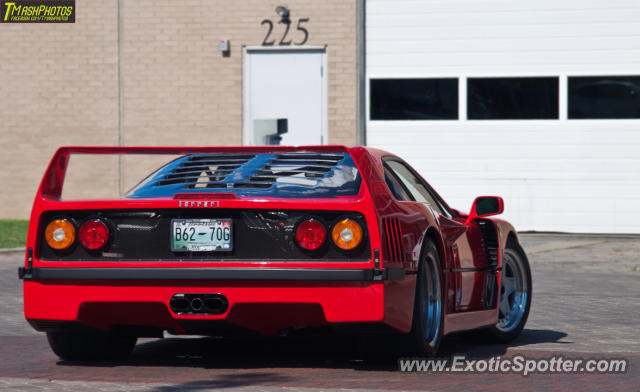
515, 294
90, 345
426, 332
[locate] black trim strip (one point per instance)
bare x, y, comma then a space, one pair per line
466, 269
317, 274
488, 269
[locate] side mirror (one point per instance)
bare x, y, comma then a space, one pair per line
485, 206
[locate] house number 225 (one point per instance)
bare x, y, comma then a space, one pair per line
283, 40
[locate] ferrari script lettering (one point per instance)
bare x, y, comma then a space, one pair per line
199, 204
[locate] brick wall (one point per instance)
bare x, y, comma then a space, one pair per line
59, 83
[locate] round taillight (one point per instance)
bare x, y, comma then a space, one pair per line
347, 234
311, 234
93, 234
60, 234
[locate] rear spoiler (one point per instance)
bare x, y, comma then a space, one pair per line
51, 185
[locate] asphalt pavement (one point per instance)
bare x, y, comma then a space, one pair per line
586, 291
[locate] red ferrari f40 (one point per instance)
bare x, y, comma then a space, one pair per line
228, 240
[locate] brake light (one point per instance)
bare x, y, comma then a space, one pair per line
60, 234
94, 234
311, 234
347, 234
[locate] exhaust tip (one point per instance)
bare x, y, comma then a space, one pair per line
199, 303
178, 303
214, 303
196, 304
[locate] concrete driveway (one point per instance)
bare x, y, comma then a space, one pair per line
586, 292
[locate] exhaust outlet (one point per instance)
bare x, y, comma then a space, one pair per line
179, 303
213, 304
196, 304
199, 303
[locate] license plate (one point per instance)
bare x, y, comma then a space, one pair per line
201, 235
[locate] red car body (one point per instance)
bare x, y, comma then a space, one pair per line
268, 296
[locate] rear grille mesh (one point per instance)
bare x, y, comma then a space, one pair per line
393, 240
222, 171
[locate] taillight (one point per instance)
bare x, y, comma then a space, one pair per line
94, 234
347, 234
311, 234
60, 234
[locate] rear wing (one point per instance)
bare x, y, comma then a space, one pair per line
53, 180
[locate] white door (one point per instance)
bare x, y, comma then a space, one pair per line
286, 85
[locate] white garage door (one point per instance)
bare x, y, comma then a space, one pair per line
538, 102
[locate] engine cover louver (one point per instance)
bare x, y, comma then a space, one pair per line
206, 171
217, 171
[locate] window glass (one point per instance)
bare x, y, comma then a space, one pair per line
601, 97
396, 189
512, 98
414, 99
414, 185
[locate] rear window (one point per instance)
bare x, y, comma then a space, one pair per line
289, 175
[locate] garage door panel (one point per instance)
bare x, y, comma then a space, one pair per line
536, 152
392, 34
431, 167
513, 45
512, 137
490, 56
418, 6
608, 191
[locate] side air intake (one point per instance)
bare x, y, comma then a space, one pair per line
393, 240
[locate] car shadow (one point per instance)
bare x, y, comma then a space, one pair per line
313, 351
226, 381
476, 345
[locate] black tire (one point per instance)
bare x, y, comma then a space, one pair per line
428, 308
514, 256
90, 345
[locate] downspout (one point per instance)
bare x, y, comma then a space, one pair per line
361, 49
120, 103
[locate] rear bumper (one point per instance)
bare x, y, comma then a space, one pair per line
262, 300
303, 274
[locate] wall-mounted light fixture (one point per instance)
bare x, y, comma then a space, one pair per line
284, 14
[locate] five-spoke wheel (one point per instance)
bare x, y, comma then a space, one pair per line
515, 293
426, 332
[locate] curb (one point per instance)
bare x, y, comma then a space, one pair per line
11, 250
